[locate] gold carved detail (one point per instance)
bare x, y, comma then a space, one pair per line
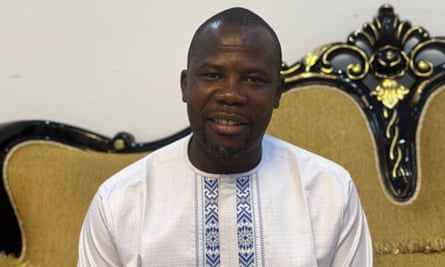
389, 62
389, 92
436, 245
421, 65
355, 70
312, 57
119, 144
395, 152
306, 68
286, 71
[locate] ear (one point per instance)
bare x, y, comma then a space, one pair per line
184, 85
279, 91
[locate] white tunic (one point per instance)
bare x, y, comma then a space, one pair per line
293, 209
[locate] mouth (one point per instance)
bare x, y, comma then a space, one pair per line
229, 124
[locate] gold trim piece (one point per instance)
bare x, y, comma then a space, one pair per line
389, 92
119, 144
411, 246
290, 70
354, 70
308, 75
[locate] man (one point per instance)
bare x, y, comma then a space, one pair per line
227, 195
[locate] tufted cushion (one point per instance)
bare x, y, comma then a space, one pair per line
329, 122
51, 186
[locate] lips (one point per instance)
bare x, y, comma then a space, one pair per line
228, 124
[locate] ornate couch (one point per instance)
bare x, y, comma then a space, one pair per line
373, 103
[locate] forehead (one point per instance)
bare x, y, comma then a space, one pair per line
220, 35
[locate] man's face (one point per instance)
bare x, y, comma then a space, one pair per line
231, 87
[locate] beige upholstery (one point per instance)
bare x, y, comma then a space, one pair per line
329, 122
51, 186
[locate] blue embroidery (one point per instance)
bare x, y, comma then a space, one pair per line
211, 228
245, 222
246, 237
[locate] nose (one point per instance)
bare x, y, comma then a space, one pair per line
231, 92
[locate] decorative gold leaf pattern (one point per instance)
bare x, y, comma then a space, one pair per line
390, 92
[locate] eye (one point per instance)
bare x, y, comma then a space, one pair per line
255, 79
211, 76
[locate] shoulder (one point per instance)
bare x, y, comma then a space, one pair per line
320, 178
307, 161
133, 178
121, 200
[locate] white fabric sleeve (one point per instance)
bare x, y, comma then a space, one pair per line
354, 246
96, 247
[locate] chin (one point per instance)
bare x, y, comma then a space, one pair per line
225, 153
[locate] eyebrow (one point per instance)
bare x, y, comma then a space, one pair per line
209, 65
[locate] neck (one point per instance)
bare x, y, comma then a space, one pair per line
210, 162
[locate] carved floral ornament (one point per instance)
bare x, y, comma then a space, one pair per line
389, 92
387, 67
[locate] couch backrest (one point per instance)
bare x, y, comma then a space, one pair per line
51, 186
50, 174
329, 122
375, 104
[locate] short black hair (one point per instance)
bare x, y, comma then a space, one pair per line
239, 16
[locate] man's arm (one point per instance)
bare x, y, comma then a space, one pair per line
96, 247
354, 246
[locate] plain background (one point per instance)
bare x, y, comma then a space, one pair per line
113, 65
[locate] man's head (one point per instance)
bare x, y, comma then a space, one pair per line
239, 16
231, 86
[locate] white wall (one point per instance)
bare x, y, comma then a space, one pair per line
113, 65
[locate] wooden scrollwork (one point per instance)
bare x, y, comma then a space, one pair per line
390, 68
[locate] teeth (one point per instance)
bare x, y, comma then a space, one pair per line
227, 122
